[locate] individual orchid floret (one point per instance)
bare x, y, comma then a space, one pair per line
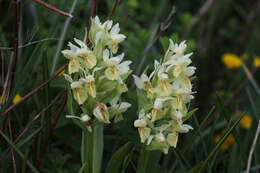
89, 82
114, 66
101, 113
115, 38
116, 109
79, 53
79, 92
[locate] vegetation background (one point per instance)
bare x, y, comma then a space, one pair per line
224, 36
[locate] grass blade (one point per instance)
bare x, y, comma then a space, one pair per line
202, 165
115, 163
30, 165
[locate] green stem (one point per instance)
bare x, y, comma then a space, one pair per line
92, 149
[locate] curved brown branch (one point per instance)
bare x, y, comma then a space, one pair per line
54, 120
34, 90
52, 8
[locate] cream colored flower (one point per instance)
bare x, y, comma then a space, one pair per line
144, 133
115, 38
172, 139
114, 66
79, 92
79, 54
101, 113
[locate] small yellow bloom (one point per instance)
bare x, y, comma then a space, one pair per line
256, 62
227, 143
246, 122
231, 60
17, 98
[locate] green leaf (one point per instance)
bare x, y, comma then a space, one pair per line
148, 161
143, 101
59, 82
116, 161
30, 165
189, 114
203, 164
28, 138
82, 168
182, 159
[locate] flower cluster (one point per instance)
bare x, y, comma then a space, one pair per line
163, 98
97, 74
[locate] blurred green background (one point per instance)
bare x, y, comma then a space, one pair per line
224, 37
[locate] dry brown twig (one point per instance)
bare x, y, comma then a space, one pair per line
31, 122
117, 2
34, 90
52, 8
12, 150
54, 121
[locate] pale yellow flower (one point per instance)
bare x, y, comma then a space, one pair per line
231, 60
246, 122
79, 92
144, 133
17, 98
172, 139
101, 113
256, 62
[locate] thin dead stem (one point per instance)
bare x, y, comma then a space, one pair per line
52, 8
34, 90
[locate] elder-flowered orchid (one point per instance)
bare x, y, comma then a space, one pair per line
162, 119
95, 75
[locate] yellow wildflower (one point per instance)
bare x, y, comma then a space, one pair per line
256, 62
246, 122
227, 143
231, 60
17, 98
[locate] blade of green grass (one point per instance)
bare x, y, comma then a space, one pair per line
181, 158
30, 165
116, 161
148, 160
62, 36
82, 168
199, 128
202, 165
28, 138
